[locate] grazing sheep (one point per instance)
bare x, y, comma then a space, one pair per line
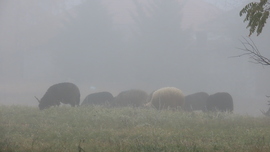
221, 101
99, 98
168, 97
134, 98
196, 101
67, 93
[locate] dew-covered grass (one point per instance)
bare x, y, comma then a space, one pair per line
97, 128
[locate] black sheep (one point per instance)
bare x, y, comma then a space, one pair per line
67, 93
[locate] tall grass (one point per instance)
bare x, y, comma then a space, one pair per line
98, 128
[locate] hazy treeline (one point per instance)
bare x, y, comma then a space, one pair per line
90, 47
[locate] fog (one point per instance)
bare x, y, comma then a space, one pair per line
104, 45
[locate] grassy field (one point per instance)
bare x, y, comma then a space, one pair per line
90, 129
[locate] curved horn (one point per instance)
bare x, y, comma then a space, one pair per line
37, 99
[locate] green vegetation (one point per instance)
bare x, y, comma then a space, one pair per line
256, 14
67, 129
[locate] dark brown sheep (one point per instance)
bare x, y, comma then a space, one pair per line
221, 101
134, 98
196, 101
99, 98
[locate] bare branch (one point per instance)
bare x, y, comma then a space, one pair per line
253, 52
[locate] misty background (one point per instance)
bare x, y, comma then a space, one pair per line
104, 45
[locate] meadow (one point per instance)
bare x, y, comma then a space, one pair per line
97, 128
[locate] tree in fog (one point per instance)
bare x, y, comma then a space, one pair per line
159, 25
158, 40
24, 26
256, 14
86, 42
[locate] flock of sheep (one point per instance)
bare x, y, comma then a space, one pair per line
164, 98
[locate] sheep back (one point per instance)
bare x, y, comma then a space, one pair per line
133, 97
168, 97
